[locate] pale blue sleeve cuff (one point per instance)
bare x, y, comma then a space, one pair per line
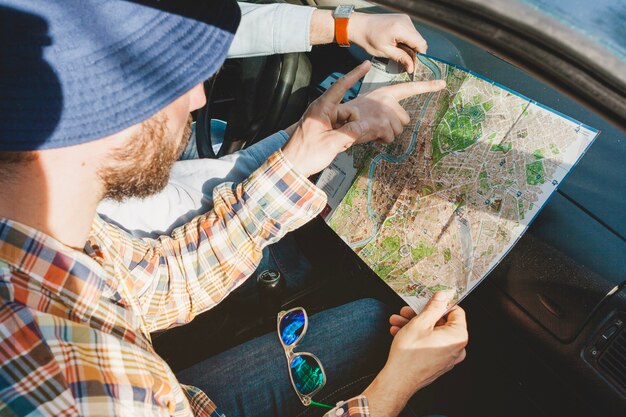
293, 28
268, 29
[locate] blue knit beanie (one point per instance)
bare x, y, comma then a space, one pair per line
72, 71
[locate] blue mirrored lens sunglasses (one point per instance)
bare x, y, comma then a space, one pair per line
305, 369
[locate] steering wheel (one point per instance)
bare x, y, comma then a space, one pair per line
263, 89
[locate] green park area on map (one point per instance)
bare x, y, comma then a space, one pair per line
441, 205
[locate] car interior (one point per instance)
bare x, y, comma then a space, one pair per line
547, 326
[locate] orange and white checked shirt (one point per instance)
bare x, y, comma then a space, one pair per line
75, 326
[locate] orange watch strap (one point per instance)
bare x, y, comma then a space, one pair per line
341, 31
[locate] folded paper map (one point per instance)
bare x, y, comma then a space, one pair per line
441, 206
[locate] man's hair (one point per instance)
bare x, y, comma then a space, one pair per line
11, 160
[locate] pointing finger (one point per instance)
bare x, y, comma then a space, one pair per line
336, 91
404, 90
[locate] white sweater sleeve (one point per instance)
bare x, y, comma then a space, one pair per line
267, 29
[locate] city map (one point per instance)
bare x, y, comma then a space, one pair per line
441, 206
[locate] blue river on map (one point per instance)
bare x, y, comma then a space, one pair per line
395, 159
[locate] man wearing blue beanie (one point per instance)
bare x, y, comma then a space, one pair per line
95, 97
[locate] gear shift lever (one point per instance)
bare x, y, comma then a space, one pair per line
271, 286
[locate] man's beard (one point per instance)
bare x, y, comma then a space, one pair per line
142, 168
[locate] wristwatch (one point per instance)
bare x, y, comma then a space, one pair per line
342, 16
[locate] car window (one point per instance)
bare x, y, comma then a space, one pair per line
603, 21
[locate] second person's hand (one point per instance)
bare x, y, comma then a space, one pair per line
382, 35
387, 35
328, 127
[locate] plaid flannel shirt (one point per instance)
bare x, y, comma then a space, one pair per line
75, 327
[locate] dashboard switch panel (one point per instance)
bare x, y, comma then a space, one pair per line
607, 351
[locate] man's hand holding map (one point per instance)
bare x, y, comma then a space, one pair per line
441, 206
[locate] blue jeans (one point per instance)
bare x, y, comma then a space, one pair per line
352, 342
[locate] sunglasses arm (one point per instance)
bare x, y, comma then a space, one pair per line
315, 403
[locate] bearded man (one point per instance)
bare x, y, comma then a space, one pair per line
95, 101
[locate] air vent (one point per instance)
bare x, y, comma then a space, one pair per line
613, 360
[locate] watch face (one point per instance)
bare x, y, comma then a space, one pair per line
343, 11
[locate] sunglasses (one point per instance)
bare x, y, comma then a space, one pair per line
305, 369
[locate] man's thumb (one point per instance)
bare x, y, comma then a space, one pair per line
435, 308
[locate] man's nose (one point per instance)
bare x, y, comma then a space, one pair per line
197, 98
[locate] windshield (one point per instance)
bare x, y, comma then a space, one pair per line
603, 21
